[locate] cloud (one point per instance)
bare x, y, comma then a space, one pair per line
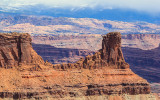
151, 6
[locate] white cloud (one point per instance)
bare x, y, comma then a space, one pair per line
141, 5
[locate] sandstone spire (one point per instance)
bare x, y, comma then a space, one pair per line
109, 56
111, 50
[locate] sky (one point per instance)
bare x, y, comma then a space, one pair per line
151, 6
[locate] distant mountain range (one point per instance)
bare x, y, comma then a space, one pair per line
47, 25
127, 15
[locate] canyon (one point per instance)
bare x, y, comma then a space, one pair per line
143, 62
102, 75
93, 42
60, 55
141, 51
63, 32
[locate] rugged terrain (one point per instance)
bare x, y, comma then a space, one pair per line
79, 28
60, 55
43, 25
16, 50
104, 75
93, 42
143, 62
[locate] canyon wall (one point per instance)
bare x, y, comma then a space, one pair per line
104, 73
60, 55
93, 42
143, 62
141, 41
16, 49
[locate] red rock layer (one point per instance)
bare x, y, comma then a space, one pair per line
16, 49
104, 73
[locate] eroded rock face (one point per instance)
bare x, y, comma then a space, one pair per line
111, 50
109, 56
16, 49
104, 73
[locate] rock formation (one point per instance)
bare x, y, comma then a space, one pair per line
103, 74
109, 56
143, 62
16, 49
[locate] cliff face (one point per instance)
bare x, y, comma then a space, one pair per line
111, 50
93, 41
90, 42
102, 74
16, 49
142, 41
110, 64
143, 62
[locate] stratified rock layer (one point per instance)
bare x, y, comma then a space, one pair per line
16, 49
104, 73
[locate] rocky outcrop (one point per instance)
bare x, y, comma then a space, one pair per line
144, 62
102, 74
16, 49
109, 56
111, 50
